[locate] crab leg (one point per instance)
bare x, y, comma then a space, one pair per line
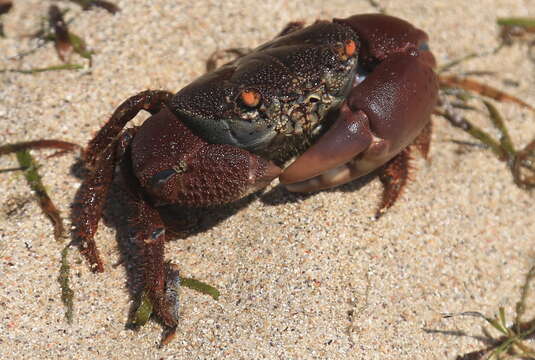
150, 100
394, 175
100, 158
91, 197
182, 169
151, 238
89, 204
149, 234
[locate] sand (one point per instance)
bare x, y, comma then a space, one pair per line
300, 276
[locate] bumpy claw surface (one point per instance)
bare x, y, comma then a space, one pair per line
177, 167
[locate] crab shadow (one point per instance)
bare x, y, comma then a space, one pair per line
280, 196
180, 222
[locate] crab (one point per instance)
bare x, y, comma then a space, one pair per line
315, 107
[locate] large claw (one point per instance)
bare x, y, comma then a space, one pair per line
178, 167
382, 115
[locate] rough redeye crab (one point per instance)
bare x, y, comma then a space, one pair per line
345, 97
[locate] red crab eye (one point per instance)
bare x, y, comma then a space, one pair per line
350, 48
346, 50
250, 98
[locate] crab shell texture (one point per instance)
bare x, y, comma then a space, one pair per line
341, 97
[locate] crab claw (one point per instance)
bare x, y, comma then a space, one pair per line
177, 167
348, 136
382, 115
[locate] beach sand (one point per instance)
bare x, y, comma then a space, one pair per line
301, 277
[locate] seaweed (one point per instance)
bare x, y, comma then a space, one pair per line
67, 294
30, 168
35, 182
106, 5
512, 342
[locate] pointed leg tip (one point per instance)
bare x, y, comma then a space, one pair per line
379, 214
96, 266
99, 269
394, 176
168, 336
92, 256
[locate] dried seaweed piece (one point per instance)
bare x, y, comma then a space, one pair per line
45, 69
145, 307
497, 120
55, 29
482, 89
67, 294
29, 165
65, 41
106, 5
62, 41
523, 166
200, 287
143, 311
513, 28
80, 48
521, 163
523, 22
512, 342
464, 124
36, 184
